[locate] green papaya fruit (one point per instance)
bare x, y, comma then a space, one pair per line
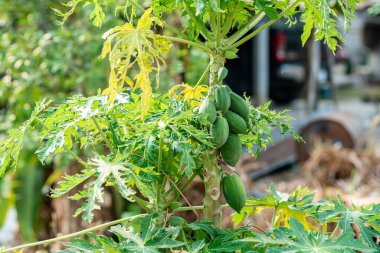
239, 105
219, 131
236, 123
208, 108
231, 150
222, 98
234, 192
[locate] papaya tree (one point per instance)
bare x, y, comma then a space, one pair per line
151, 146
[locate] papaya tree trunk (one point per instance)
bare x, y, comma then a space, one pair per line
212, 172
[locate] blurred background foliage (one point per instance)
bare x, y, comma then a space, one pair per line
39, 58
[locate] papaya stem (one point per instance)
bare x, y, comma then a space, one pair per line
212, 206
212, 172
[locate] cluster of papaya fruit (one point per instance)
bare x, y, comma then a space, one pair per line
228, 112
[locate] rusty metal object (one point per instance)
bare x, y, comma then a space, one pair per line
273, 158
336, 128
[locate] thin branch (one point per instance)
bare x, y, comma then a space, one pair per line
163, 183
174, 30
273, 222
203, 75
188, 181
187, 208
191, 43
185, 240
178, 190
175, 187
142, 203
104, 137
76, 234
192, 208
336, 230
137, 5
182, 176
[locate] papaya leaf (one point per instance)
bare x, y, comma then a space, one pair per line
267, 7
70, 182
129, 46
295, 205
187, 93
261, 123
79, 245
10, 148
53, 145
97, 14
197, 246
187, 160
150, 239
117, 173
297, 239
365, 218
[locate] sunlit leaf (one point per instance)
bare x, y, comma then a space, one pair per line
135, 47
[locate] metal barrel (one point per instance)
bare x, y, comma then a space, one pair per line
336, 128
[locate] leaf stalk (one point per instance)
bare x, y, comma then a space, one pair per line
190, 43
76, 234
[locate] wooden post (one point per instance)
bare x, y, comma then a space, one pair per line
260, 67
313, 66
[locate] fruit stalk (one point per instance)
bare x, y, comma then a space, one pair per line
212, 172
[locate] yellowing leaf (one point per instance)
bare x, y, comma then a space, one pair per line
112, 89
162, 44
138, 48
296, 205
187, 93
285, 214
143, 82
145, 21
129, 81
106, 49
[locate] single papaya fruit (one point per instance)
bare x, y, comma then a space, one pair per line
208, 108
236, 123
234, 192
222, 98
219, 131
231, 150
239, 105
